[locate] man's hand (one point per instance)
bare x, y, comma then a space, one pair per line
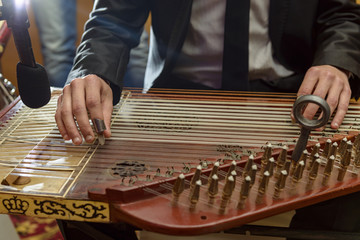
331, 84
89, 94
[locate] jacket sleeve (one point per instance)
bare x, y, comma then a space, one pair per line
338, 38
114, 27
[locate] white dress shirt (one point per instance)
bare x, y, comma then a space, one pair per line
201, 57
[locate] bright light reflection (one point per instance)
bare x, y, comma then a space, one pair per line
19, 3
34, 187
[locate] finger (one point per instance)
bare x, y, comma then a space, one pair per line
80, 109
308, 85
59, 121
68, 117
94, 97
107, 106
341, 108
321, 90
310, 80
334, 97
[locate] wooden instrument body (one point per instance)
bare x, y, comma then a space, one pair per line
156, 137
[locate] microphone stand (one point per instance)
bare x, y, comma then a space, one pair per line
17, 20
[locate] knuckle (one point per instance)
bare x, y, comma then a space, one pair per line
329, 75
91, 102
59, 100
332, 101
92, 79
77, 109
64, 112
66, 89
314, 70
343, 106
338, 80
74, 83
347, 90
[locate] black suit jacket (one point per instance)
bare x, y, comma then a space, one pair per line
304, 33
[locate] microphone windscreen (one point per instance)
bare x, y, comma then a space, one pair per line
33, 85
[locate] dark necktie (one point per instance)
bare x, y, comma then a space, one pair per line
236, 45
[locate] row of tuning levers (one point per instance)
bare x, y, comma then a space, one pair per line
284, 172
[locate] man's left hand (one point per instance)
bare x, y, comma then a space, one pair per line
331, 84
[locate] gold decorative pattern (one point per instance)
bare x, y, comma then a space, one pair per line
55, 208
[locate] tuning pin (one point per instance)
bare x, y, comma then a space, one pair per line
349, 145
341, 174
229, 187
303, 158
196, 176
344, 163
267, 154
315, 149
342, 146
264, 182
328, 170
213, 187
244, 192
329, 165
287, 165
234, 174
231, 168
262, 187
253, 174
247, 168
270, 166
195, 193
333, 149
298, 172
357, 158
345, 160
214, 171
312, 160
314, 169
227, 192
281, 160
179, 185
280, 183
357, 142
326, 150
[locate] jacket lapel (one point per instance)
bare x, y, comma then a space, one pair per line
178, 34
278, 14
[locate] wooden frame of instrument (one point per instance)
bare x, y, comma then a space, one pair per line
156, 137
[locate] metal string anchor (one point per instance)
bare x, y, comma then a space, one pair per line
308, 124
100, 127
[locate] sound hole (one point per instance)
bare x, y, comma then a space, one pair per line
128, 169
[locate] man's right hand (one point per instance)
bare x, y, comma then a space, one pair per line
89, 94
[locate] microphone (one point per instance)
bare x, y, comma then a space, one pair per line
32, 79
33, 85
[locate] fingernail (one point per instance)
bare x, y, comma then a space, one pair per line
89, 138
336, 125
76, 140
66, 137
